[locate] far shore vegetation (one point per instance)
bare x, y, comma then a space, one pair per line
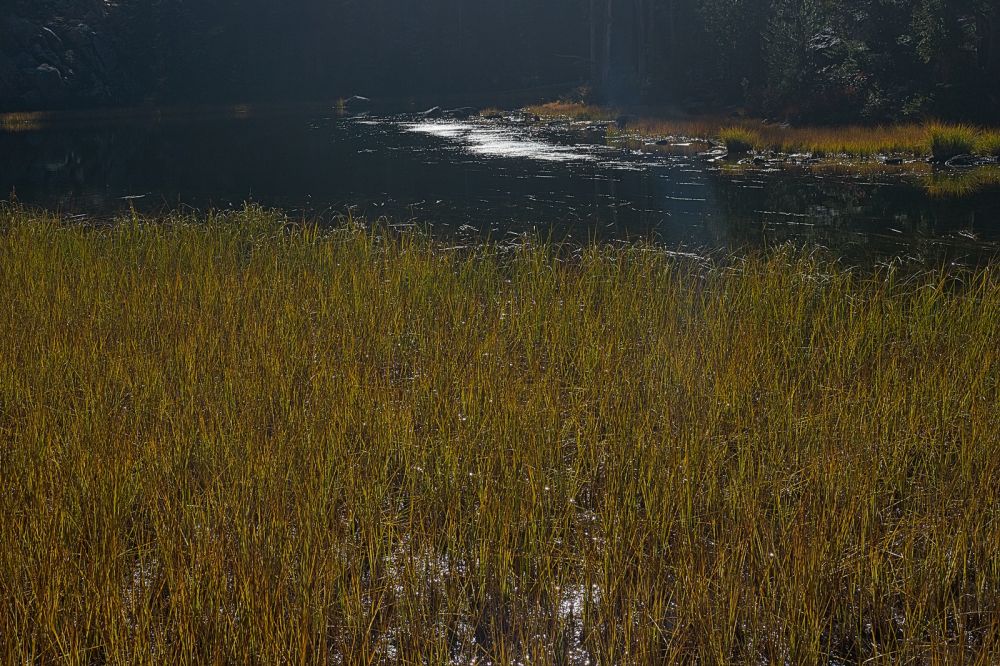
937, 140
240, 438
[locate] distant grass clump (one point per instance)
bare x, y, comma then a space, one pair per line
948, 141
240, 440
988, 143
573, 110
493, 112
739, 140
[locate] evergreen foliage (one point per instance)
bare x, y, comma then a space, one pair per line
869, 60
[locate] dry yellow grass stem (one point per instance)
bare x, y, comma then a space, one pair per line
235, 440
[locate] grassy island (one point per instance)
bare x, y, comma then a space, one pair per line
234, 439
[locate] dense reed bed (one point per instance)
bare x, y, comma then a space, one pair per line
939, 140
236, 440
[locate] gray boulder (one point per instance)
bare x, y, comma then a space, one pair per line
962, 161
49, 83
51, 39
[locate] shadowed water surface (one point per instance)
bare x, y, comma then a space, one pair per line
494, 178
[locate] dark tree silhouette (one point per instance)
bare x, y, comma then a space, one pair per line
795, 59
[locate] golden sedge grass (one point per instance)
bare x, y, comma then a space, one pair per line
948, 141
916, 139
961, 183
235, 440
739, 140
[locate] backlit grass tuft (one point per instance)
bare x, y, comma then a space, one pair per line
988, 143
739, 140
240, 440
948, 141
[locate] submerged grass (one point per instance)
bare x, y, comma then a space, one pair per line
239, 440
963, 182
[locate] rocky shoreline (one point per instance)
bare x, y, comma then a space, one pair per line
59, 62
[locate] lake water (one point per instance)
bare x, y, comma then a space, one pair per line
472, 178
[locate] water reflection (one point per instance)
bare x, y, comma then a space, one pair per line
492, 141
495, 178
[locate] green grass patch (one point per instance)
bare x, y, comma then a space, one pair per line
948, 141
243, 440
739, 140
988, 143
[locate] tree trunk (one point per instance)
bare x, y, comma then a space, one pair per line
595, 58
620, 46
641, 42
609, 35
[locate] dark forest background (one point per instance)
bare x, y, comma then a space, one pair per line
816, 60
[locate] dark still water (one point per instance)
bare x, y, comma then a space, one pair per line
471, 177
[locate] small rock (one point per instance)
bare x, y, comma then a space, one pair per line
961, 161
461, 113
355, 101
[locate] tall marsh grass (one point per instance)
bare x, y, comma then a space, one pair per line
988, 143
739, 140
938, 140
236, 440
948, 141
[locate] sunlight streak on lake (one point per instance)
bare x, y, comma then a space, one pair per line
499, 142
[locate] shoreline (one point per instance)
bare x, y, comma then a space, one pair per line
957, 159
933, 140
